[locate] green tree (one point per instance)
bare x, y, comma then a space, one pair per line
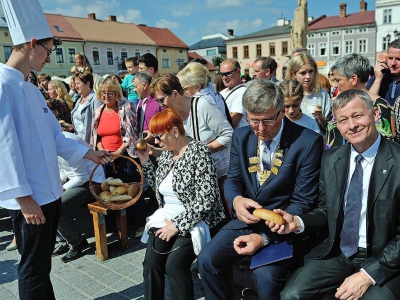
216, 61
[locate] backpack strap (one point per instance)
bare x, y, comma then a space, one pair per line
195, 122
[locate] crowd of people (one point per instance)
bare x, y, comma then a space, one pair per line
318, 151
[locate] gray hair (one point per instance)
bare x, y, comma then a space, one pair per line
263, 95
353, 64
143, 77
345, 97
395, 44
233, 62
266, 63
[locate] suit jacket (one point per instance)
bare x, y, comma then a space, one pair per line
383, 218
294, 188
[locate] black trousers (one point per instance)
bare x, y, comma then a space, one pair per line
321, 277
35, 245
175, 264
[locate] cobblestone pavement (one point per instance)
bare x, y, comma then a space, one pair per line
119, 277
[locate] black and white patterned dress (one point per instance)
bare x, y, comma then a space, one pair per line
195, 183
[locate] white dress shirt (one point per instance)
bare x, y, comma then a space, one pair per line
79, 172
30, 141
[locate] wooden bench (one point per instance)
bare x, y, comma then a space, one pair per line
99, 225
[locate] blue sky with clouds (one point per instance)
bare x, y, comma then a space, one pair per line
192, 19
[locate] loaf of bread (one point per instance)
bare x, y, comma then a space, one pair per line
105, 196
120, 198
125, 185
141, 144
268, 215
120, 190
133, 190
105, 186
114, 182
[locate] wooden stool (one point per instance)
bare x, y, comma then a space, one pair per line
99, 225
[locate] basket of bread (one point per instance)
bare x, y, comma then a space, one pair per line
115, 194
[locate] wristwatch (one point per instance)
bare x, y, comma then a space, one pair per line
265, 239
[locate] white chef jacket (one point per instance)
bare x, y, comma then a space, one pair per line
78, 173
30, 141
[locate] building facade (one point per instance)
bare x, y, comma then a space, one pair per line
273, 42
330, 38
388, 25
212, 45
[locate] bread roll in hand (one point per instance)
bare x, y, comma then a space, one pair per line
269, 215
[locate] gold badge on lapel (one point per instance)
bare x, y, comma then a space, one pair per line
277, 162
253, 169
274, 170
279, 153
254, 160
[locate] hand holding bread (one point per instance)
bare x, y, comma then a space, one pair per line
269, 215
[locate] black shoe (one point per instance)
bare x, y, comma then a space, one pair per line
75, 252
60, 249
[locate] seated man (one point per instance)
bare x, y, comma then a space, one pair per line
274, 164
359, 205
75, 180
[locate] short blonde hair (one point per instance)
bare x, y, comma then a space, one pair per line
62, 92
110, 85
194, 73
299, 61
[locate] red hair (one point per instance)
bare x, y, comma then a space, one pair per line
165, 120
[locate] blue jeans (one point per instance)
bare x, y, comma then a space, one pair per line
219, 255
36, 244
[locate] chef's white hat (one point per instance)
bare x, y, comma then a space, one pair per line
26, 20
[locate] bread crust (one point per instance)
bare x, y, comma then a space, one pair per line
269, 215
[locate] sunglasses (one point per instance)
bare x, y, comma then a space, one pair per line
330, 74
109, 94
227, 74
49, 52
162, 99
158, 137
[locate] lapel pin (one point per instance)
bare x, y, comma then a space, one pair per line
384, 172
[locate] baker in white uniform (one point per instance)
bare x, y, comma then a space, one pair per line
30, 141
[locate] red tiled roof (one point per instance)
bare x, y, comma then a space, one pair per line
68, 32
359, 18
210, 66
163, 37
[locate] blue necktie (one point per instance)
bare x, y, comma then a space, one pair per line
350, 236
266, 156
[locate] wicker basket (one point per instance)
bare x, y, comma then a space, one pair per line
96, 189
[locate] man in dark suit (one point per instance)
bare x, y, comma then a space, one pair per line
359, 204
274, 164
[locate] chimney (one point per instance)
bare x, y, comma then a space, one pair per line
91, 16
230, 32
310, 19
280, 22
112, 18
363, 5
343, 10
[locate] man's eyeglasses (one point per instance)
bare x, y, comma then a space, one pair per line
143, 68
162, 99
330, 74
109, 94
158, 137
265, 122
227, 74
49, 52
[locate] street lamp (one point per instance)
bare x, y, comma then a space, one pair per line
396, 35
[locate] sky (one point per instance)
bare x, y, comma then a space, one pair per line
192, 19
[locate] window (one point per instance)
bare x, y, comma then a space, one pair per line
96, 56
387, 16
322, 49
165, 63
7, 52
234, 52
349, 47
245, 51
59, 56
362, 46
124, 55
137, 53
58, 28
335, 32
386, 42
110, 59
148, 51
284, 70
246, 71
322, 34
349, 31
211, 52
284, 48
71, 55
258, 50
311, 49
311, 35
335, 48
272, 49
362, 30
